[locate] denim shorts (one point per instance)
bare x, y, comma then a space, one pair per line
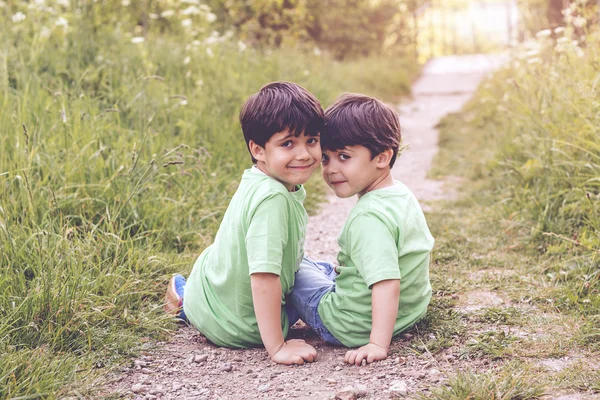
313, 280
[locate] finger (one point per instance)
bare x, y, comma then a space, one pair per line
360, 356
298, 360
370, 358
308, 357
351, 357
347, 357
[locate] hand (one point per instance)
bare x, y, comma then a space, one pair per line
370, 352
294, 351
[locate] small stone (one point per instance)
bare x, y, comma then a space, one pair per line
279, 389
363, 363
238, 359
175, 386
150, 397
157, 390
338, 368
140, 363
226, 367
406, 336
137, 388
264, 388
254, 376
381, 376
399, 387
331, 381
361, 390
364, 371
146, 371
200, 358
347, 393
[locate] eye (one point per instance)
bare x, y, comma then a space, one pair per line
324, 159
287, 143
313, 140
343, 157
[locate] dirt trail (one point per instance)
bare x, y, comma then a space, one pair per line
190, 368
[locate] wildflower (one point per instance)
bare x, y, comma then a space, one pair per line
45, 33
579, 52
137, 40
63, 3
579, 22
209, 52
187, 60
2, 4
183, 102
125, 3
210, 17
317, 51
153, 16
191, 10
199, 83
535, 60
532, 53
186, 23
18, 17
563, 40
241, 46
61, 21
306, 72
196, 43
167, 13
559, 30
196, 2
543, 34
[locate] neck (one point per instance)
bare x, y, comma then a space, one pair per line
384, 180
262, 167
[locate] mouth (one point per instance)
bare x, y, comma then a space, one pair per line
336, 183
302, 167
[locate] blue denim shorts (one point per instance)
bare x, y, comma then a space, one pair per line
313, 280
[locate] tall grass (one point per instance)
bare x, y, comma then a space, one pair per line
117, 161
531, 138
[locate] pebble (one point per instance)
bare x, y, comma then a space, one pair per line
364, 371
348, 393
338, 368
399, 388
200, 358
264, 388
331, 381
406, 336
226, 367
146, 371
157, 390
140, 363
361, 390
238, 359
137, 388
150, 397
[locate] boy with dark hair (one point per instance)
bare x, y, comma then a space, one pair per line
235, 293
381, 286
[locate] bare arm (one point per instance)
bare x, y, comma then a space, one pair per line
266, 296
384, 298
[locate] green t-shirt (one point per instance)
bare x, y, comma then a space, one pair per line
263, 230
385, 237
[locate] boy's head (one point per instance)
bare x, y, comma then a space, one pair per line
281, 125
361, 145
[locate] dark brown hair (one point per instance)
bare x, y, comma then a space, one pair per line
279, 106
355, 119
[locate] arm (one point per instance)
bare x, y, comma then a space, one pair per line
384, 299
266, 296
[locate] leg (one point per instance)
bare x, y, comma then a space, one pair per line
174, 297
313, 280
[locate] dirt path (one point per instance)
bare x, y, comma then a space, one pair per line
190, 368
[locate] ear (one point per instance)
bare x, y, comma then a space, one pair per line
383, 159
258, 152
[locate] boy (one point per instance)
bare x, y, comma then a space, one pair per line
235, 292
381, 286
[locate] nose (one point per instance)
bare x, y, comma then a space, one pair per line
302, 153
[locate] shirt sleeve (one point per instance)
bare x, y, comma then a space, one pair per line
373, 249
267, 236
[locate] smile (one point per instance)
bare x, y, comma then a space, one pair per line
302, 167
332, 183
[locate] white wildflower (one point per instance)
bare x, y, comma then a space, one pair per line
532, 53
306, 72
61, 21
153, 16
535, 60
559, 30
241, 46
191, 10
167, 13
183, 102
45, 33
579, 52
566, 12
579, 22
63, 3
2, 4
200, 83
18, 17
543, 34
137, 40
186, 23
210, 17
187, 60
204, 8
196, 2
563, 40
125, 3
196, 43
209, 52
317, 51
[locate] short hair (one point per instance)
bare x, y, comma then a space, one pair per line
279, 106
355, 119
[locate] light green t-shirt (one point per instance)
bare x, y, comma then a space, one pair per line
385, 237
263, 230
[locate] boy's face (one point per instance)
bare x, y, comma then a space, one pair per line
289, 159
351, 170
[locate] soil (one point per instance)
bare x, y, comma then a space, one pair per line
188, 367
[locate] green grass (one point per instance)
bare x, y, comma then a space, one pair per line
118, 161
